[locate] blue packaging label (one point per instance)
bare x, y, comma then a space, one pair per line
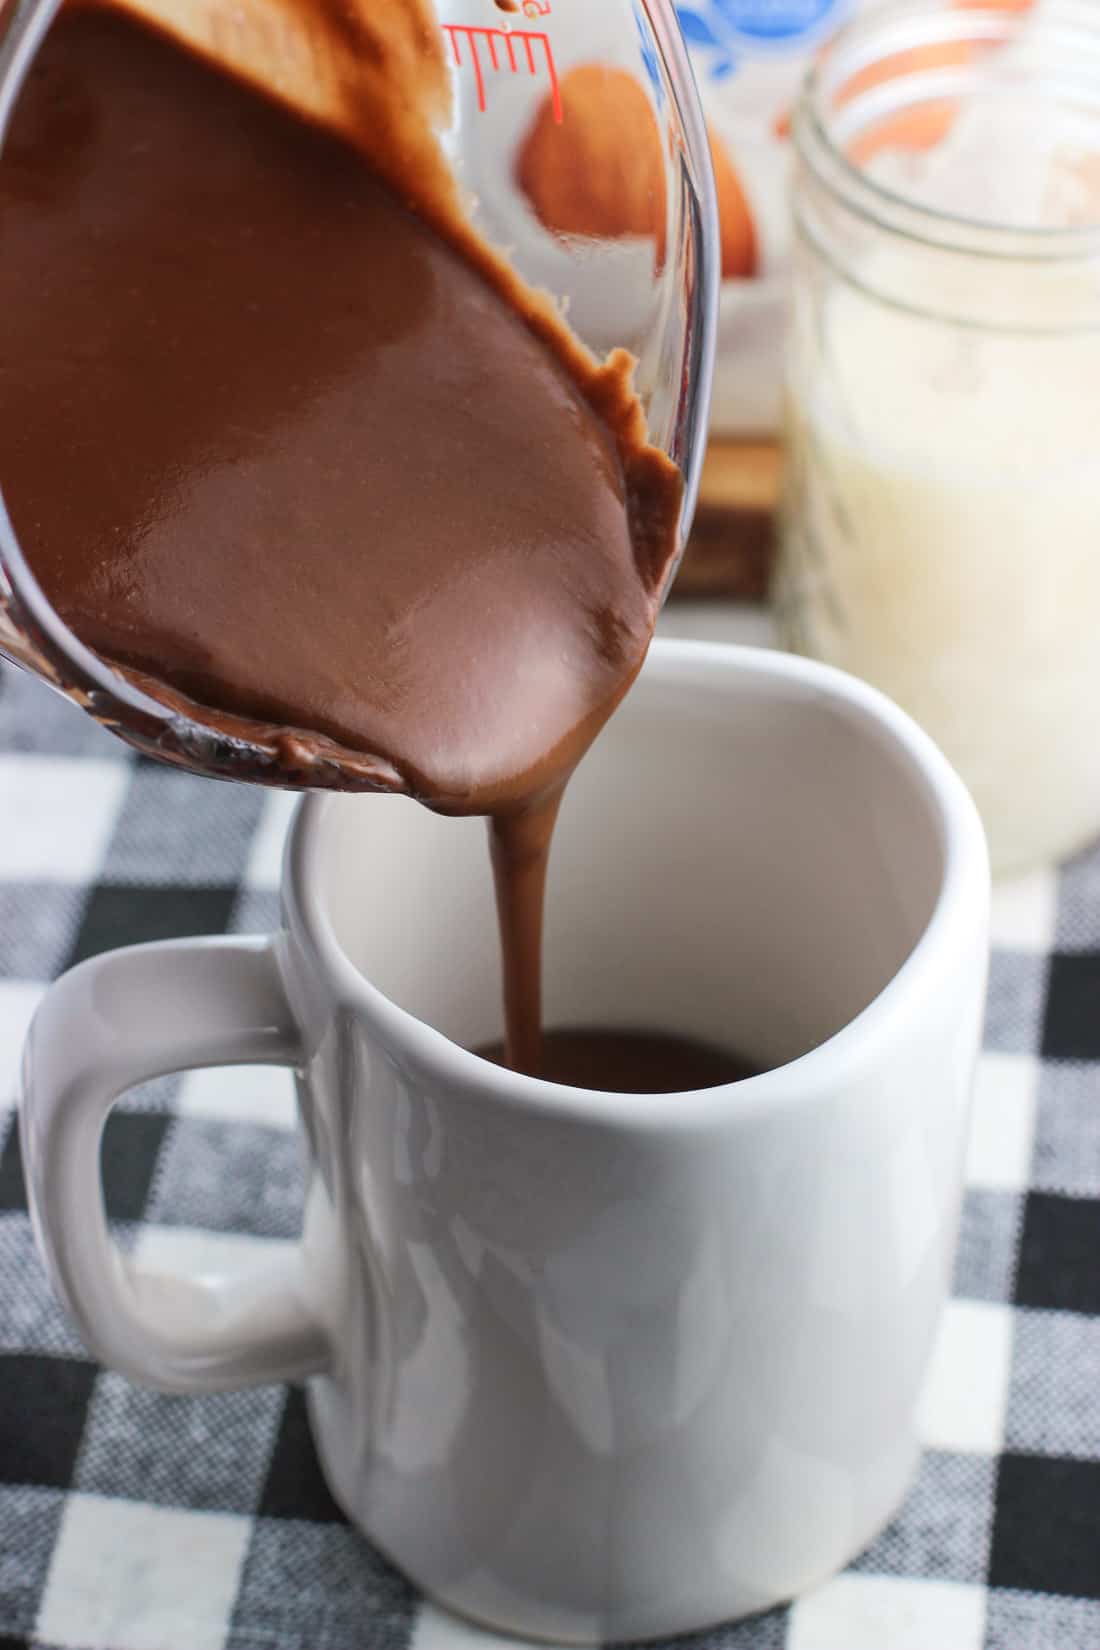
725, 31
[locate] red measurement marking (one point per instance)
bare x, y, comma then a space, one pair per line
501, 43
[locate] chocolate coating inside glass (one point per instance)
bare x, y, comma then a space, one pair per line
271, 443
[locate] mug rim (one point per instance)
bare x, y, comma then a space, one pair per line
962, 897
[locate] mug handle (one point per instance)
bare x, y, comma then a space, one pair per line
110, 1023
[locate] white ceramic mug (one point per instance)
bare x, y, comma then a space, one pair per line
586, 1366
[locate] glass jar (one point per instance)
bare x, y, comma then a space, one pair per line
941, 524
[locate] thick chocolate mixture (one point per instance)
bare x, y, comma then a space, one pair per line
632, 1062
268, 439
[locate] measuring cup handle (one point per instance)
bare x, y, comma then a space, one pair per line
113, 1022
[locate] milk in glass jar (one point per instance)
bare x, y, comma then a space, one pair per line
941, 531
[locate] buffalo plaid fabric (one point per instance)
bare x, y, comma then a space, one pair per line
132, 1521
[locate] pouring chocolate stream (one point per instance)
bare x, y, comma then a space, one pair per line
328, 463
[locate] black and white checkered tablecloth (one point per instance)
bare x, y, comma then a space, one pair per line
130, 1521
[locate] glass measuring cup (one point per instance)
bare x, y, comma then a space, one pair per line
648, 286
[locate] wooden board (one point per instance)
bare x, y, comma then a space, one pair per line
732, 545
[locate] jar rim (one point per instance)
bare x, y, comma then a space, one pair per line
1068, 31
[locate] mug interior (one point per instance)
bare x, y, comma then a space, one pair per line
747, 855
